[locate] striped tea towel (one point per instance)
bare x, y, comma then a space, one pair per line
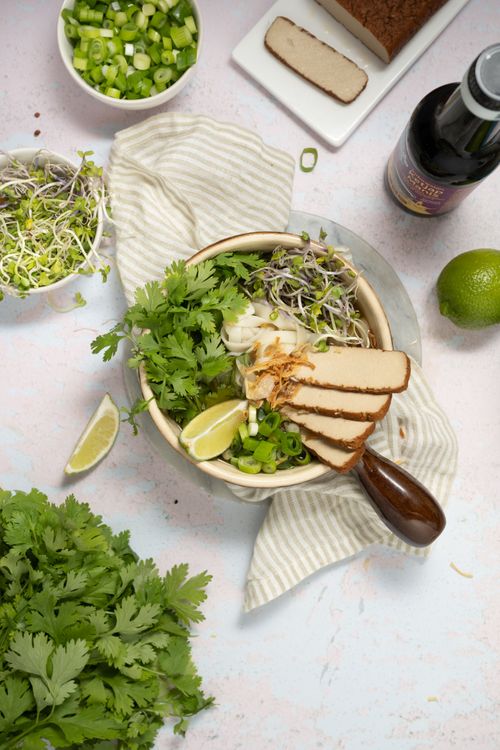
180, 182
321, 522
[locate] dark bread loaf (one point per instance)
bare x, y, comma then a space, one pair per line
384, 26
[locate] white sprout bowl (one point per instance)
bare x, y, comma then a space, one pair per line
26, 156
369, 305
66, 51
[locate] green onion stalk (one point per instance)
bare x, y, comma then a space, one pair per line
49, 218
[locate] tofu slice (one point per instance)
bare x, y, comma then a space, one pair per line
314, 60
349, 368
337, 458
366, 407
345, 433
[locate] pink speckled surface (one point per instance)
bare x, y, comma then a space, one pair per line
349, 659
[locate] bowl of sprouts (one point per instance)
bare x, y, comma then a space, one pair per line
51, 220
130, 55
217, 340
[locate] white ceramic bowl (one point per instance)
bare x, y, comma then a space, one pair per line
369, 305
66, 51
26, 155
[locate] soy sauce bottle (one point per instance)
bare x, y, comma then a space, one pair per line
451, 143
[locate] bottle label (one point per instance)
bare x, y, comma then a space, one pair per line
417, 191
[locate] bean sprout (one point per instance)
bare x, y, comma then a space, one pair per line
49, 216
318, 291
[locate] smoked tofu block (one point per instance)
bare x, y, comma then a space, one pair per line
337, 458
350, 368
314, 60
345, 433
360, 406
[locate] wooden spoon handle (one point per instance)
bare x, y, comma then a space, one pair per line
401, 501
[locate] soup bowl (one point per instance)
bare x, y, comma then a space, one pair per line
369, 306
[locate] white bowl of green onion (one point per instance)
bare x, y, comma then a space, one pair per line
130, 54
51, 220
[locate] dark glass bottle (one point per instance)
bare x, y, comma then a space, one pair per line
451, 143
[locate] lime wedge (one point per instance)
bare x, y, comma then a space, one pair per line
212, 432
97, 439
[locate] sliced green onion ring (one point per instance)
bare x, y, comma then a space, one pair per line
314, 154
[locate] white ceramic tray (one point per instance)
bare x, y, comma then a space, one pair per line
331, 119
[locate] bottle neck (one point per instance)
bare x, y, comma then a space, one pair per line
462, 126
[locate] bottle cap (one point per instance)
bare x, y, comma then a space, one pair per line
481, 84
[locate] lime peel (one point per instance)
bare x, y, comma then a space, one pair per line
97, 439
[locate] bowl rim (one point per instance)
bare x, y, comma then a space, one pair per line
128, 104
217, 467
27, 154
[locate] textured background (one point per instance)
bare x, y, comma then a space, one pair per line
350, 659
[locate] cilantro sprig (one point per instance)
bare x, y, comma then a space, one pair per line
174, 328
94, 643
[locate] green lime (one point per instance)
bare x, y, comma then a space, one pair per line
468, 289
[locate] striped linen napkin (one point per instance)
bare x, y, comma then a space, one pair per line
180, 182
321, 522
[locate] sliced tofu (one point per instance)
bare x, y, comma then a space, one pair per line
345, 433
350, 368
337, 458
314, 60
359, 406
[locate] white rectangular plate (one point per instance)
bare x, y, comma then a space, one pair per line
331, 119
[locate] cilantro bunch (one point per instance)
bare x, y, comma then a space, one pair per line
94, 648
174, 328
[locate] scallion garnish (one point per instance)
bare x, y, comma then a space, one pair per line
314, 154
150, 37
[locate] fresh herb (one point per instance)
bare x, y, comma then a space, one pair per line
314, 153
138, 407
318, 290
48, 222
93, 642
175, 326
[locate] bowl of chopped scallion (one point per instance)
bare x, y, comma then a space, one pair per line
131, 55
51, 220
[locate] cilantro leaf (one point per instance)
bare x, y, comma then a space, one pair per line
185, 594
174, 327
94, 648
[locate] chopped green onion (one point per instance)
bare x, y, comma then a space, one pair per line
314, 154
141, 61
160, 32
249, 465
181, 36
191, 24
303, 458
250, 444
264, 452
243, 431
291, 444
269, 468
162, 75
270, 423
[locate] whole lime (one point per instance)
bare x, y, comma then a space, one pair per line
468, 289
